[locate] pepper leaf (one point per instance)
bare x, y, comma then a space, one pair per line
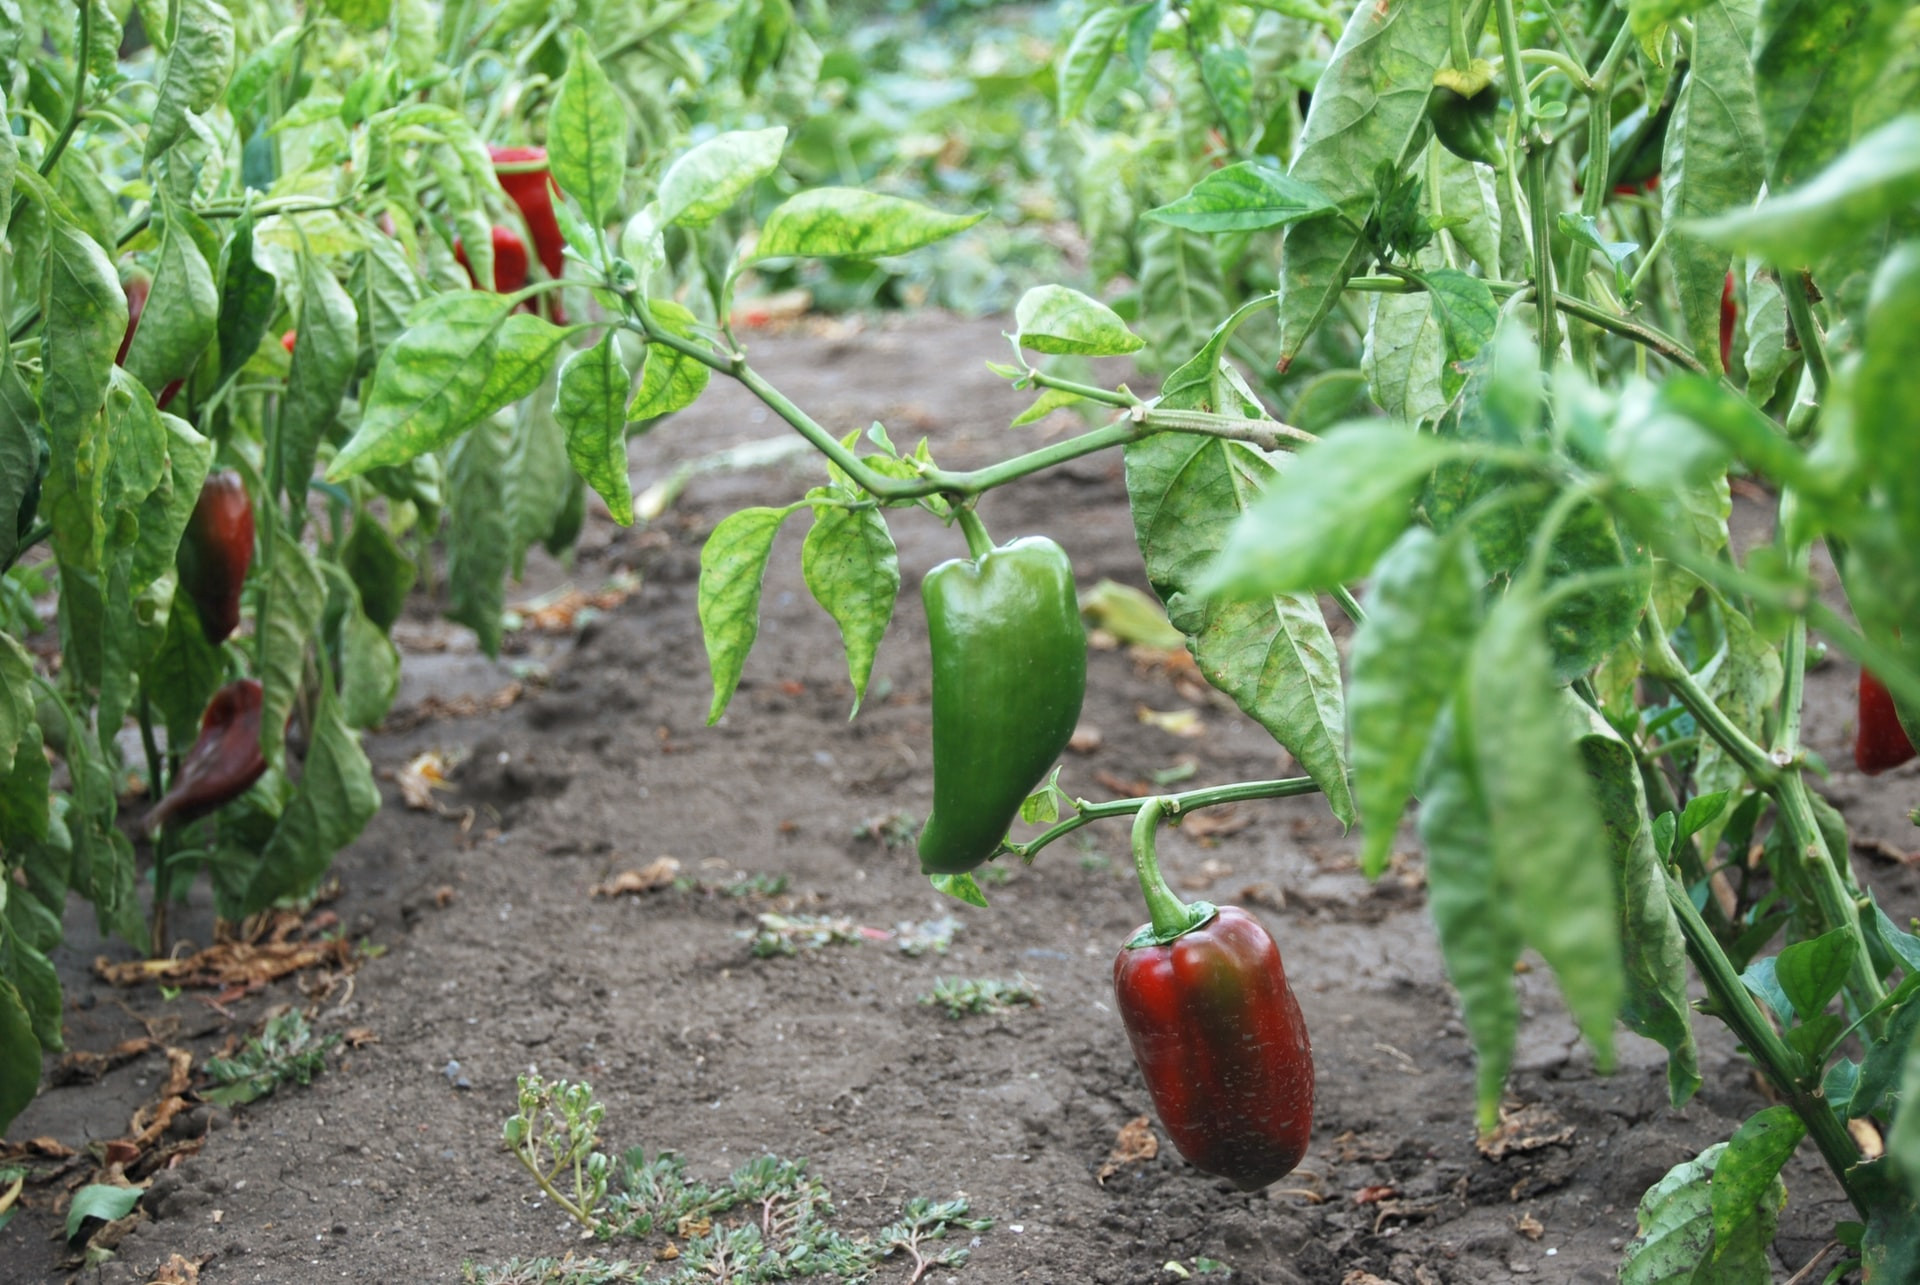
733, 562
480, 533
1055, 319
291, 597
706, 180
852, 570
961, 886
198, 67
831, 222
19, 1055
1749, 1168
326, 351
587, 135
1421, 608
182, 313
1246, 197
335, 800
670, 381
591, 407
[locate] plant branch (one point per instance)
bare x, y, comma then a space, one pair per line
1794, 288
78, 109
1086, 813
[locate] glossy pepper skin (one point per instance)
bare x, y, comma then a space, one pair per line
532, 190
1219, 1038
216, 551
224, 761
509, 260
1009, 671
1464, 109
1879, 741
1729, 314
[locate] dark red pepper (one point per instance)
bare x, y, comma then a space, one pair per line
224, 761
1879, 741
509, 260
138, 287
1215, 1031
1729, 313
216, 551
532, 190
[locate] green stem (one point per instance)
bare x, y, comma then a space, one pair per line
1794, 287
1086, 813
1350, 604
979, 543
1764, 1045
1171, 916
1536, 180
78, 108
1560, 62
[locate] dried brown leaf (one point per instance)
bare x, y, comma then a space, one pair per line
1136, 1143
656, 874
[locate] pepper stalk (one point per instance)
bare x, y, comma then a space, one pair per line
1171, 917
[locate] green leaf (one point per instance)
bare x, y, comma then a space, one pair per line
1903, 1139
1881, 1070
1650, 16
1713, 162
1422, 605
427, 385
670, 381
1583, 628
705, 181
1833, 209
86, 317
1546, 830
524, 350
852, 570
539, 481
732, 564
480, 533
1336, 509
1049, 401
1273, 653
381, 570
102, 1201
1476, 918
1081, 67
1368, 106
1404, 359
1812, 62
831, 222
1054, 319
415, 35
182, 313
1466, 311
20, 444
291, 598
1246, 197
587, 135
591, 408
326, 351
19, 1056
182, 674
198, 66
164, 514
1654, 954
1676, 1241
1886, 387
334, 801
16, 698
1228, 75
961, 886
247, 296
1581, 229
1812, 972
1465, 190
26, 813
385, 290
1749, 1169
1181, 290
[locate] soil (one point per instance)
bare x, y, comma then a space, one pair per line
491, 954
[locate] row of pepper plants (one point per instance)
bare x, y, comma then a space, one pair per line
1598, 258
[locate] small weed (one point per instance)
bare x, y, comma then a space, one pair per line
935, 935
755, 885
789, 934
553, 1271
769, 1221
964, 996
284, 1051
891, 831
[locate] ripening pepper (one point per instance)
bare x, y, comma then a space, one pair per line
1009, 671
224, 761
533, 190
1215, 1030
1729, 314
509, 260
138, 286
216, 551
1879, 741
1464, 109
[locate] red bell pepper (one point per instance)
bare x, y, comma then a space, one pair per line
224, 761
216, 551
1879, 741
1215, 1030
532, 190
509, 260
1729, 313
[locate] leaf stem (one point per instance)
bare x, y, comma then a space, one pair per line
78, 109
1171, 916
1794, 288
1086, 813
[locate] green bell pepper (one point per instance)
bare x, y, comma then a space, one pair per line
1464, 109
1009, 671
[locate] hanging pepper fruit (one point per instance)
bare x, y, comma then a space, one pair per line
509, 260
216, 551
1879, 741
1215, 1029
1464, 109
224, 761
1009, 671
1729, 313
532, 190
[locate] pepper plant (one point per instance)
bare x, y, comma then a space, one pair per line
1523, 215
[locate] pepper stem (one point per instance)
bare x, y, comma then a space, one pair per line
1171, 916
979, 543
